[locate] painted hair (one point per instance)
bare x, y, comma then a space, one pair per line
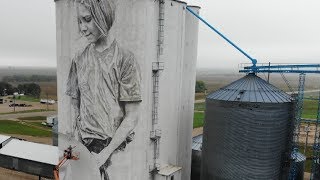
103, 13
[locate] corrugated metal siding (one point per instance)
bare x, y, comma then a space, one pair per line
247, 131
245, 140
251, 88
27, 166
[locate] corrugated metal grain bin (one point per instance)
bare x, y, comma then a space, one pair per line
247, 131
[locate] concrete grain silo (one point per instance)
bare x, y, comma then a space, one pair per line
247, 131
121, 99
187, 85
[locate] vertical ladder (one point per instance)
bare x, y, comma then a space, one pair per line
157, 67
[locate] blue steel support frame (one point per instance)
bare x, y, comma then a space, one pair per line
254, 61
316, 145
296, 132
289, 68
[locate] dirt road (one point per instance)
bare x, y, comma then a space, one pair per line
15, 116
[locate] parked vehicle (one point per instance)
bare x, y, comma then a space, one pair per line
13, 105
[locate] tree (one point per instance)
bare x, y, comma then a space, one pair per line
200, 87
5, 89
31, 89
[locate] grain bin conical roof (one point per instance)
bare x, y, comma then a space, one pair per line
250, 88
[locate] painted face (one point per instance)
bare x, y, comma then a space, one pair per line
87, 25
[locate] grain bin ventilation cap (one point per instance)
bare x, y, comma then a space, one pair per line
250, 88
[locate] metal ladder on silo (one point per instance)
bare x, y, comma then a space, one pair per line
157, 67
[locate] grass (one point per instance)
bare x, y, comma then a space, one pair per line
28, 98
27, 111
38, 124
309, 154
200, 106
198, 119
16, 127
310, 108
33, 118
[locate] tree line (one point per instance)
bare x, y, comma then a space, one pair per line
30, 78
200, 87
30, 89
34, 90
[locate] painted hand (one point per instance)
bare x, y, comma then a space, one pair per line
102, 157
98, 159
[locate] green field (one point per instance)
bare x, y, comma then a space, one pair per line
309, 154
199, 106
28, 98
16, 127
39, 125
310, 109
198, 119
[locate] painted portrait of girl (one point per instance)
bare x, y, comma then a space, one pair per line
104, 85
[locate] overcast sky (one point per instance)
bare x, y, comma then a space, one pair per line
279, 31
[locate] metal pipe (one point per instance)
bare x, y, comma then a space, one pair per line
254, 61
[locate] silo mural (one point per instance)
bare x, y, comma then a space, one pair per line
107, 89
247, 131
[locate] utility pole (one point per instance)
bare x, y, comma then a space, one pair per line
47, 101
14, 103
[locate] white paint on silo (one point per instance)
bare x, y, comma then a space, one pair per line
170, 81
187, 92
136, 30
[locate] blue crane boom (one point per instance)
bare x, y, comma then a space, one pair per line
254, 61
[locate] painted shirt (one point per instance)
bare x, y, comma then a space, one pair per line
103, 82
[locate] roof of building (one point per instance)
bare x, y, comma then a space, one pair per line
197, 143
300, 157
3, 138
31, 151
250, 88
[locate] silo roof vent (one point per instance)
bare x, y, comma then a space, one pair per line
251, 88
